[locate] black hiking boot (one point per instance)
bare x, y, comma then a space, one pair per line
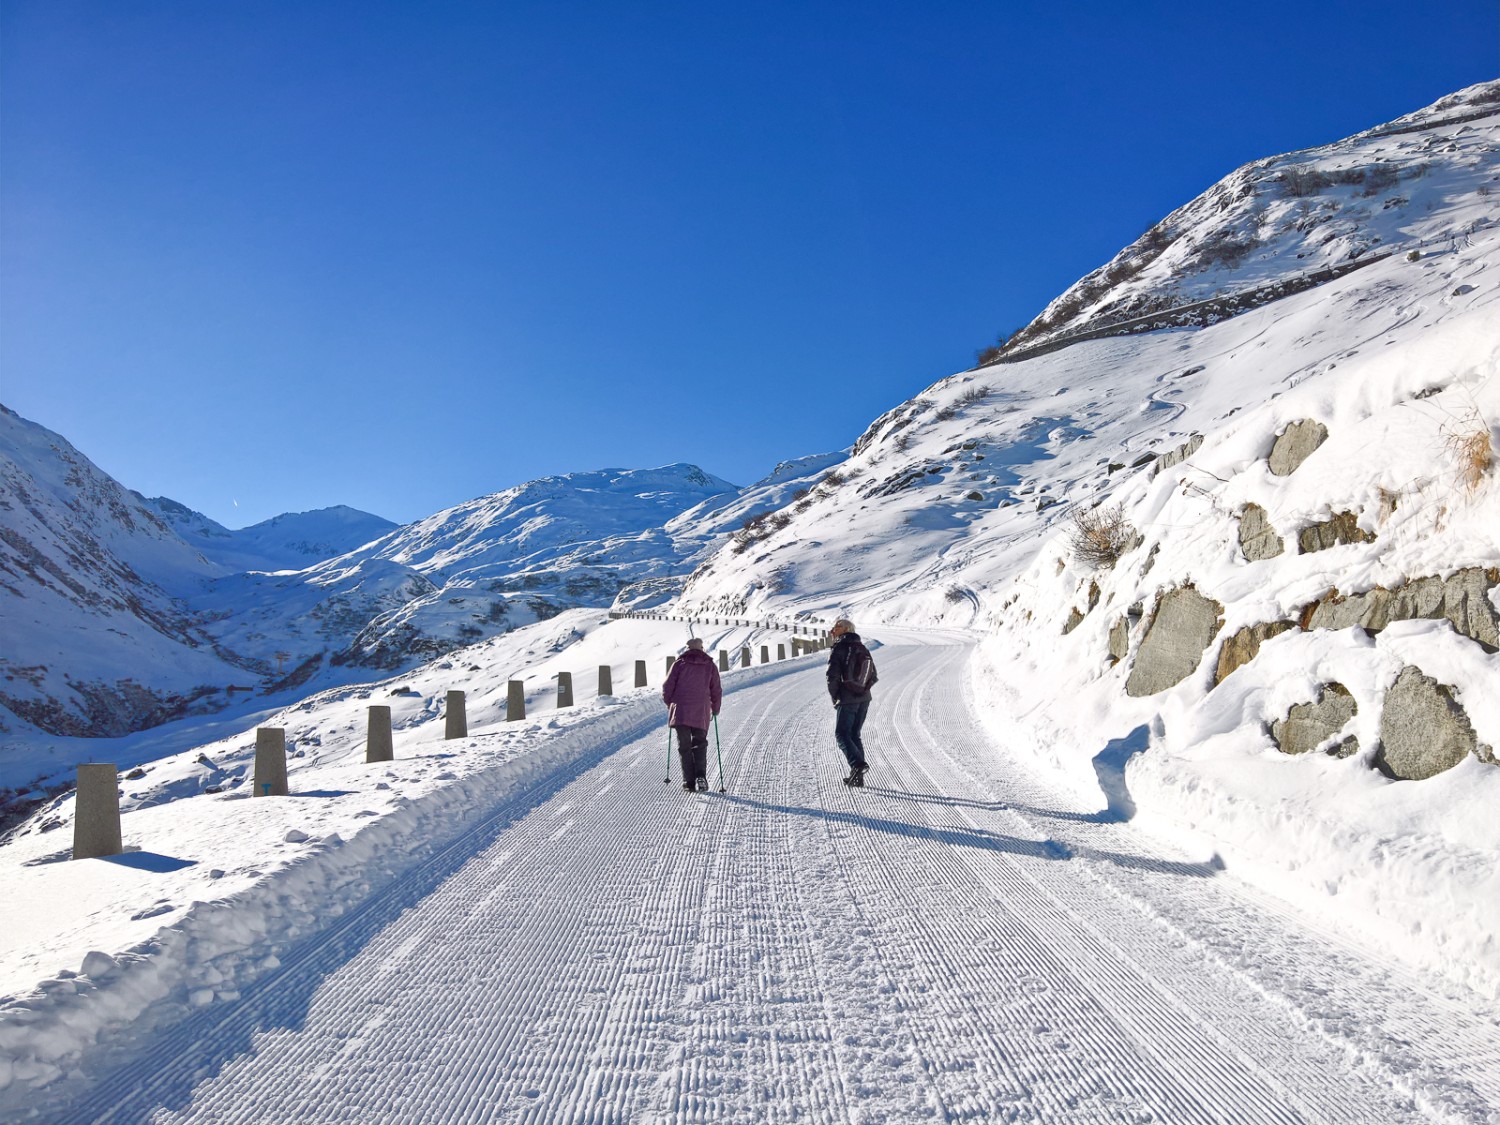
701, 785
689, 786
856, 778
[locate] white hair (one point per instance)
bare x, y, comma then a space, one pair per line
845, 622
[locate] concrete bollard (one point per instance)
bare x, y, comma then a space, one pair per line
781, 652
379, 746
515, 700
671, 660
640, 673
96, 812
565, 689
723, 660
456, 724
606, 684
745, 657
765, 654
270, 763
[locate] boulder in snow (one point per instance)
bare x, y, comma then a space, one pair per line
1258, 539
1294, 445
1240, 649
1340, 529
1423, 730
1308, 726
1181, 628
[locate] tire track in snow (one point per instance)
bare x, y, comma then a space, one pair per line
1021, 976
796, 951
1375, 1016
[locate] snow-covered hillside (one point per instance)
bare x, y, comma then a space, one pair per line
1279, 641
97, 637
1423, 177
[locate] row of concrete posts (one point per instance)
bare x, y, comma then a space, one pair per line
96, 816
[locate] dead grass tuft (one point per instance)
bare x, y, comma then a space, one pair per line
1473, 449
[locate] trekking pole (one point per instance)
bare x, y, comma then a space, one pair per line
720, 751
668, 779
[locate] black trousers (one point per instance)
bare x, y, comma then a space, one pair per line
846, 730
692, 747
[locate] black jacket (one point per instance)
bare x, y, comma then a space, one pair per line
838, 670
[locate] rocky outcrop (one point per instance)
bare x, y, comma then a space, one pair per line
1119, 640
1423, 730
1461, 599
1178, 455
1339, 530
1308, 726
1258, 539
1294, 445
1242, 648
1182, 626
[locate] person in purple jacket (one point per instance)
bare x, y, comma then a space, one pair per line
692, 694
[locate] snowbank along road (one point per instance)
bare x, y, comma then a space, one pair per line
950, 943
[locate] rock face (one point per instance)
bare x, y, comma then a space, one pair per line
1337, 531
1258, 539
1178, 455
1119, 640
1240, 649
1184, 624
1295, 445
1308, 725
1461, 599
1423, 730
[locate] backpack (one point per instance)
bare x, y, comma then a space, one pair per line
859, 671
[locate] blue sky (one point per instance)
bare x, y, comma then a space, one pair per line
272, 256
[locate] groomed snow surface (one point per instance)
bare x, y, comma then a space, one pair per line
553, 934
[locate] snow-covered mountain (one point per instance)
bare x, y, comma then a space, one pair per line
290, 541
1286, 220
1239, 565
97, 636
474, 570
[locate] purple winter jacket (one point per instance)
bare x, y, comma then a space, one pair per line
692, 692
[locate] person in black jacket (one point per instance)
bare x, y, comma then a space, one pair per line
851, 675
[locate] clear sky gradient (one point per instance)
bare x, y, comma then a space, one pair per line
272, 256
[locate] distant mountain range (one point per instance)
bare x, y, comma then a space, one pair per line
286, 542
121, 612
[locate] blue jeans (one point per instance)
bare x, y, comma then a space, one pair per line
851, 720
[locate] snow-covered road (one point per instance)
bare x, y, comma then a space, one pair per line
951, 943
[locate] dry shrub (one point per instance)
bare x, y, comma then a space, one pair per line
1099, 536
1470, 442
1475, 453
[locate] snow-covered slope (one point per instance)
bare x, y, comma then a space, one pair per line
1418, 179
1364, 645
290, 541
97, 638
